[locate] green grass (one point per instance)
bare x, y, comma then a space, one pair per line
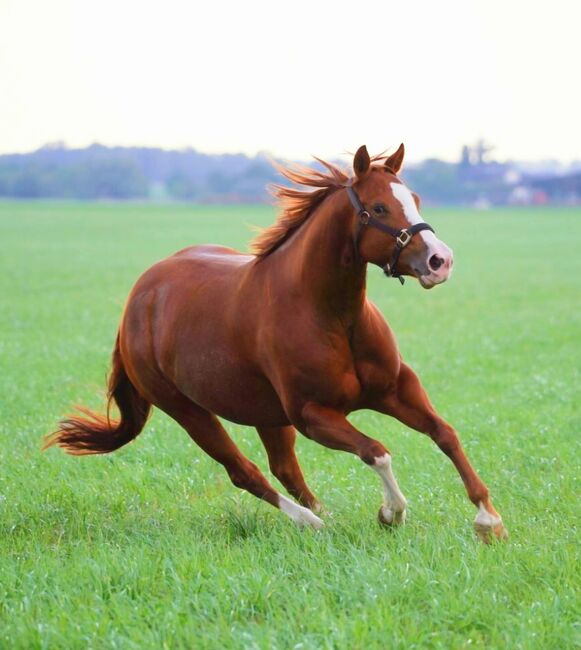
152, 547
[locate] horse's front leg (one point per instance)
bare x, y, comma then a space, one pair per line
410, 404
331, 428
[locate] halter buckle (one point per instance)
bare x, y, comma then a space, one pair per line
364, 217
403, 238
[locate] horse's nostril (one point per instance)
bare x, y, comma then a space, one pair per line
435, 262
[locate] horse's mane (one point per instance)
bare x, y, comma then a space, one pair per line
298, 204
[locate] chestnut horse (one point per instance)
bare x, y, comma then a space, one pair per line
285, 340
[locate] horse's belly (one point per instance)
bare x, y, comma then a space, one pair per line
232, 391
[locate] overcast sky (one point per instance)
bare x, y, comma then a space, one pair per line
293, 78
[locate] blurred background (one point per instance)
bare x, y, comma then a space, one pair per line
189, 101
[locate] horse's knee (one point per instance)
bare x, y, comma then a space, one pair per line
245, 476
284, 473
478, 494
239, 478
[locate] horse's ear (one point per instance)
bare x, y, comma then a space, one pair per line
361, 162
395, 161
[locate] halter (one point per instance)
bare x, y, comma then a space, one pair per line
402, 237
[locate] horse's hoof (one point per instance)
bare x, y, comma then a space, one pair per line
307, 519
316, 507
489, 527
387, 517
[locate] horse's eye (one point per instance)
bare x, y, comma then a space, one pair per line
379, 209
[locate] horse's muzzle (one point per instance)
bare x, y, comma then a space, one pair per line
438, 266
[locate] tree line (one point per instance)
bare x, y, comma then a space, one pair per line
122, 173
99, 172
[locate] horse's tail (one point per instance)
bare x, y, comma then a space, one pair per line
98, 434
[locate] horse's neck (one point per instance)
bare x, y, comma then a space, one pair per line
320, 259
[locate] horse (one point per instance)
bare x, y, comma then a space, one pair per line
286, 340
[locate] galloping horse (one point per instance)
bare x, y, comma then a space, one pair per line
285, 339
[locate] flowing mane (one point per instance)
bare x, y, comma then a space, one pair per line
298, 204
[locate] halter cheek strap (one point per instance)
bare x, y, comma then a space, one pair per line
402, 237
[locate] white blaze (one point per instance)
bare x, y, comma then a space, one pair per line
410, 210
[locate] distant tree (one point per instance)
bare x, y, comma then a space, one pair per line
112, 177
181, 187
27, 185
436, 180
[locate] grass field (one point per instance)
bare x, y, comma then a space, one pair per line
152, 547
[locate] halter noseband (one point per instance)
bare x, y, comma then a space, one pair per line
402, 237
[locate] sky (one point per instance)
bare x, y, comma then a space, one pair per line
293, 79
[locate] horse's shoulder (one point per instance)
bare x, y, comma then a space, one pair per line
375, 350
372, 321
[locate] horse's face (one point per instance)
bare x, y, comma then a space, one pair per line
389, 201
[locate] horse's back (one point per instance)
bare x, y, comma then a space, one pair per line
192, 267
212, 255
186, 294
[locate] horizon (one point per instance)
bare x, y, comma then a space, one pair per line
134, 75
343, 158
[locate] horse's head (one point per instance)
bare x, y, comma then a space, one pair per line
388, 230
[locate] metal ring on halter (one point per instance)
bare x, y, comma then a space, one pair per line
404, 238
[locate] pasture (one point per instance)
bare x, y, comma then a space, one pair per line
152, 547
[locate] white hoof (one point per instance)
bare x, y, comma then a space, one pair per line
489, 526
317, 508
388, 517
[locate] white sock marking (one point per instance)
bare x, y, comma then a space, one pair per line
301, 516
395, 501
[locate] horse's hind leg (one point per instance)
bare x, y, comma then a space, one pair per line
205, 430
279, 443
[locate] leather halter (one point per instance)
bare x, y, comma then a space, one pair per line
402, 237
